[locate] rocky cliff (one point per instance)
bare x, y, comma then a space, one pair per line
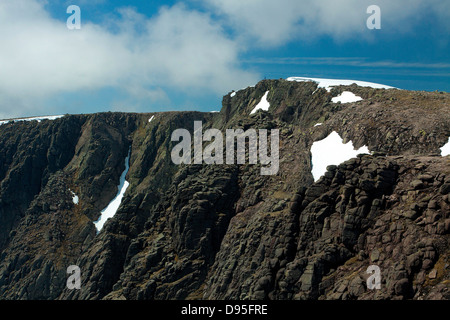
203, 231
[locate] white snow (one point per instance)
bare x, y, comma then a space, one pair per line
331, 151
328, 83
112, 207
150, 120
233, 94
38, 119
445, 150
346, 97
263, 104
75, 198
317, 124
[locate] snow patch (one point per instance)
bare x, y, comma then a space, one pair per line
150, 120
317, 124
38, 119
75, 198
263, 104
331, 151
233, 94
329, 83
112, 207
445, 150
346, 97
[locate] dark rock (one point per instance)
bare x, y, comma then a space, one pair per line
225, 231
402, 287
417, 184
445, 188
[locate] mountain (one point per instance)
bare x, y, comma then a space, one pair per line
227, 231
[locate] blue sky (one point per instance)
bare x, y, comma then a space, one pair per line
146, 56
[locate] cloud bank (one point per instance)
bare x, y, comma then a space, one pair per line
273, 23
177, 48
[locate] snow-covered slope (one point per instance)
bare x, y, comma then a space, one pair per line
445, 150
329, 83
331, 151
346, 97
263, 104
112, 207
38, 119
75, 198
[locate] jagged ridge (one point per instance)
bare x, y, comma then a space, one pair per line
214, 232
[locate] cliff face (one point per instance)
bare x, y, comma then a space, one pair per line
225, 231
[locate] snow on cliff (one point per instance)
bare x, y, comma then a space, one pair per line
112, 207
38, 119
263, 104
329, 83
332, 151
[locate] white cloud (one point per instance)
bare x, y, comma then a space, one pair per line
272, 23
178, 48
196, 49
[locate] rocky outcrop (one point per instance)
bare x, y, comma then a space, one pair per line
30, 153
225, 231
367, 211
